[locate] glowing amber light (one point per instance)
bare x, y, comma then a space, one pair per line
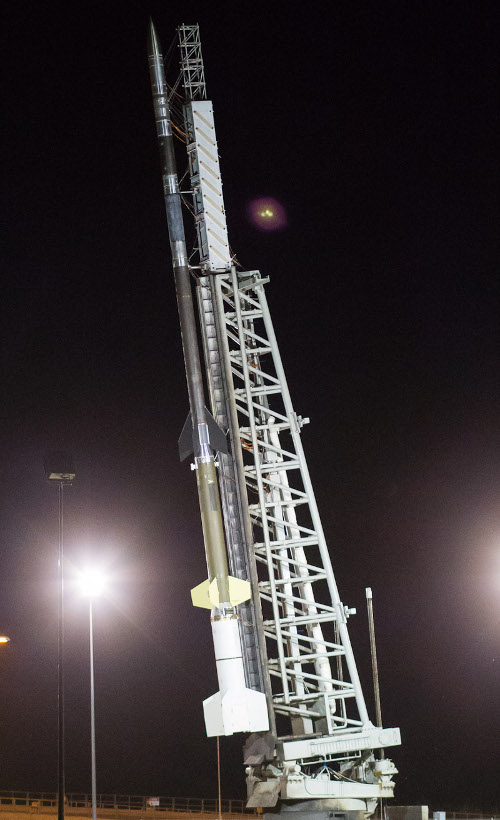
267, 214
4, 639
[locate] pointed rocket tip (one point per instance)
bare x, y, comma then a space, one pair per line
153, 43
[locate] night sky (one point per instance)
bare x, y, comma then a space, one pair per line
375, 130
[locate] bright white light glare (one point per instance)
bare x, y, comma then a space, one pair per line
92, 583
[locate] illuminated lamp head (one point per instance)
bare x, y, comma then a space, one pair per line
92, 583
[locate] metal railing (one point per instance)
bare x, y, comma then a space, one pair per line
126, 802
182, 805
461, 815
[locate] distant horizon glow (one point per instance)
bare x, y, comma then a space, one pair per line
267, 214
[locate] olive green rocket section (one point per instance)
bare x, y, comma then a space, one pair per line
220, 587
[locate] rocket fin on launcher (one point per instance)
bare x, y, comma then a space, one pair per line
188, 440
216, 435
239, 710
234, 708
185, 442
206, 594
239, 591
200, 596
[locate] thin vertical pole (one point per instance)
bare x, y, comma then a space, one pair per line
92, 713
60, 654
373, 650
218, 776
376, 686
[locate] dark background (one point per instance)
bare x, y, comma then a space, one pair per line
374, 125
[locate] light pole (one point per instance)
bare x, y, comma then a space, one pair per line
59, 470
92, 584
376, 686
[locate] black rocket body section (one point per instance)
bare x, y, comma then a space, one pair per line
199, 428
176, 234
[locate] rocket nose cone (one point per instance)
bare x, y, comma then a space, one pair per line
153, 42
156, 68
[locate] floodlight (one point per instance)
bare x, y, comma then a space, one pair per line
92, 583
59, 467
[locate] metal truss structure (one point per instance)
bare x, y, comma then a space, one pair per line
289, 545
193, 72
294, 631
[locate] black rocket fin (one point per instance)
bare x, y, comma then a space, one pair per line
188, 439
185, 442
216, 435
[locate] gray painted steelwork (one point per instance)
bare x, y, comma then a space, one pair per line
274, 532
221, 331
193, 72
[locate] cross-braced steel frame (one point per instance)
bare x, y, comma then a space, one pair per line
294, 631
303, 617
193, 72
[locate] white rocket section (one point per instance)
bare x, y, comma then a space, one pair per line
234, 708
212, 218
